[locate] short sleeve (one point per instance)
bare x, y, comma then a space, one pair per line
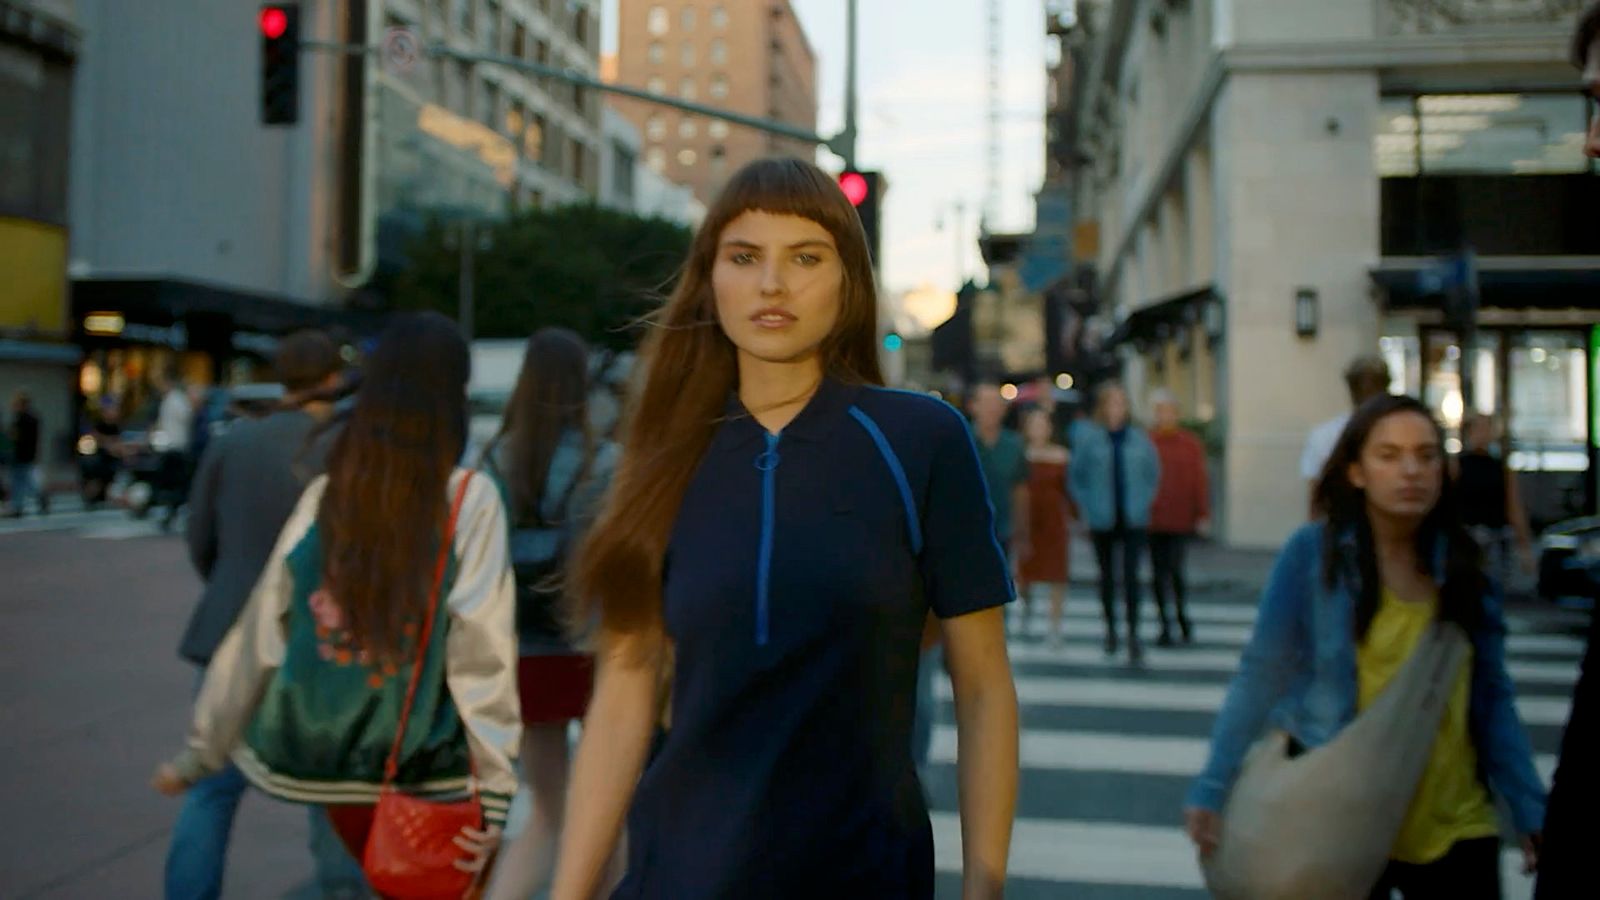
963, 568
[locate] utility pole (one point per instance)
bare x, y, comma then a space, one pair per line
845, 143
465, 299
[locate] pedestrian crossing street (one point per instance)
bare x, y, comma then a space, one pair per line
1108, 751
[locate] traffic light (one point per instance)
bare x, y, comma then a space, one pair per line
279, 24
864, 190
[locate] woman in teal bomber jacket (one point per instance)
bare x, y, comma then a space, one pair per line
305, 692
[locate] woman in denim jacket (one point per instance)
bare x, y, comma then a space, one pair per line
1347, 600
1113, 477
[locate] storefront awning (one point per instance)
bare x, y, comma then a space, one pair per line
1164, 317
1502, 284
163, 302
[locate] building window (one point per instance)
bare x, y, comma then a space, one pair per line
687, 157
491, 105
719, 52
519, 40
687, 20
465, 13
541, 52
1481, 134
659, 20
719, 17
657, 53
463, 92
656, 159
719, 87
718, 129
686, 89
687, 55
491, 26
655, 127
580, 28
441, 89
687, 129
554, 145
576, 156
622, 163
656, 85
516, 120
533, 138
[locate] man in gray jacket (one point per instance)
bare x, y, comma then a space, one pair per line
243, 493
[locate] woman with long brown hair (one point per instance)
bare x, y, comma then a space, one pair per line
307, 692
551, 470
783, 526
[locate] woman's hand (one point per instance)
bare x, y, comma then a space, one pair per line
480, 847
168, 781
1205, 829
1530, 853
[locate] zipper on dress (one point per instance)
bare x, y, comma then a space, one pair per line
767, 463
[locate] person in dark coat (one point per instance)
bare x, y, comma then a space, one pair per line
243, 492
1565, 868
24, 436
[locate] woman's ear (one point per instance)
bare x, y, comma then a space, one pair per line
1356, 475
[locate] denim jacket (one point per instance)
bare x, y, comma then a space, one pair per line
1298, 674
1091, 469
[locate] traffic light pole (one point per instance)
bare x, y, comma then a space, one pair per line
842, 144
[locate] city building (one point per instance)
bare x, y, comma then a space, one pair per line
750, 57
627, 184
200, 234
1271, 188
39, 48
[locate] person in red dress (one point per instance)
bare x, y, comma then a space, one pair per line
1048, 513
1181, 510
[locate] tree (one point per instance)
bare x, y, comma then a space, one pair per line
584, 267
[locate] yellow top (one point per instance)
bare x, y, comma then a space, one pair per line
1451, 803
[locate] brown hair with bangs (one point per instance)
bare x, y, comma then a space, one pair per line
385, 506
688, 369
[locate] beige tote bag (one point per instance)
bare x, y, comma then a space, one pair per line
1320, 826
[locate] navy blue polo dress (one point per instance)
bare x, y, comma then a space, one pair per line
797, 579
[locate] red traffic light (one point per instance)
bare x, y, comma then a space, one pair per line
855, 188
274, 22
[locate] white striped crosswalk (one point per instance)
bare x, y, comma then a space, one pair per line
1107, 752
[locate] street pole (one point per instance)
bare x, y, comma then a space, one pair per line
464, 300
846, 140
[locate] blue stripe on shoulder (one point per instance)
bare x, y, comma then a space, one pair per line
977, 461
913, 523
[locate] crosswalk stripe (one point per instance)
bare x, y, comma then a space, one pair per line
1238, 634
1201, 659
1115, 854
1156, 695
1088, 751
1086, 608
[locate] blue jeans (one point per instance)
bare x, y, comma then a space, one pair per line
22, 485
200, 843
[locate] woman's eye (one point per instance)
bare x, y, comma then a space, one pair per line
808, 259
742, 259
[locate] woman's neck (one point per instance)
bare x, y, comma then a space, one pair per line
775, 393
1392, 537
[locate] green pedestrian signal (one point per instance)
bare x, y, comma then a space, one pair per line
893, 342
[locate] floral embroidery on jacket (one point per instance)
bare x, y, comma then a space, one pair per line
336, 644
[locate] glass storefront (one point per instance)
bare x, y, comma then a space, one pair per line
1537, 384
